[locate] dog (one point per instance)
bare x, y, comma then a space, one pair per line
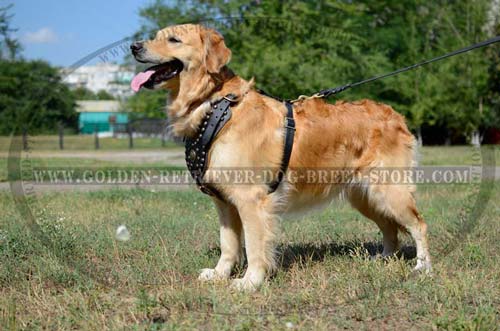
191, 62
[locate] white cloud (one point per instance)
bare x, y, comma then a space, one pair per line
42, 36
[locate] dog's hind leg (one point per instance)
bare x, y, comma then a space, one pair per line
396, 204
259, 227
230, 242
387, 226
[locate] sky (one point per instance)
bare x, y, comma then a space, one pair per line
64, 31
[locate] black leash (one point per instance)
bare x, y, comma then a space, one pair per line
328, 92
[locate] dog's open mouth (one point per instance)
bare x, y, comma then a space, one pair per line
157, 74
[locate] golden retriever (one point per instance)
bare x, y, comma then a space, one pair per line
191, 62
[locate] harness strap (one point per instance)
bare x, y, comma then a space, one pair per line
197, 148
287, 150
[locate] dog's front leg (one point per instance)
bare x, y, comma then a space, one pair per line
259, 227
230, 242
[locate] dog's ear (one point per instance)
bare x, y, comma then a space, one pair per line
217, 54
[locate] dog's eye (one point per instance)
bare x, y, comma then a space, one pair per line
174, 40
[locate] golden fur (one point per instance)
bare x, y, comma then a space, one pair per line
359, 135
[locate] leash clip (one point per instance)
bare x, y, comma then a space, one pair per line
230, 97
306, 97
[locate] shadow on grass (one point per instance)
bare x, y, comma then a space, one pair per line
290, 254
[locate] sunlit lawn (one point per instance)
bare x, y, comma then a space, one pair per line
71, 273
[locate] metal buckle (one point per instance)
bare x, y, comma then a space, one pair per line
290, 123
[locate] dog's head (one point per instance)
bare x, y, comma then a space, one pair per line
180, 54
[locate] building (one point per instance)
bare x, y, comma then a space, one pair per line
103, 116
112, 78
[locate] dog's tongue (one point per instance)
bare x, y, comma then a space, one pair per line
140, 79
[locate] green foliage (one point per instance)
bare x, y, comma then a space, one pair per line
9, 46
32, 96
300, 47
82, 93
493, 88
104, 95
149, 104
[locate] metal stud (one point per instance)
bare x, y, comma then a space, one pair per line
192, 155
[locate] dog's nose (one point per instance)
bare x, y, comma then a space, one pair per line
136, 47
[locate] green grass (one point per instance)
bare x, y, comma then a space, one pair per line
80, 277
86, 143
451, 155
439, 156
79, 165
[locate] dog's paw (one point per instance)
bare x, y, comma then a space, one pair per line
243, 285
423, 267
208, 274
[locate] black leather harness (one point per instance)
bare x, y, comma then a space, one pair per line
198, 147
287, 150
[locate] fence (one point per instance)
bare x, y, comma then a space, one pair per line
140, 133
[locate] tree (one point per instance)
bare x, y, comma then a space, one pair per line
492, 117
446, 96
82, 93
9, 46
300, 47
32, 96
151, 104
268, 40
104, 95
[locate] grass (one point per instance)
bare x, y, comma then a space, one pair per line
79, 165
427, 156
80, 277
450, 155
87, 143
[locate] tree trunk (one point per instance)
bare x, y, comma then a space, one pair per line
420, 141
476, 138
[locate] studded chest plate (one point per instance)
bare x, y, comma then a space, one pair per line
198, 147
